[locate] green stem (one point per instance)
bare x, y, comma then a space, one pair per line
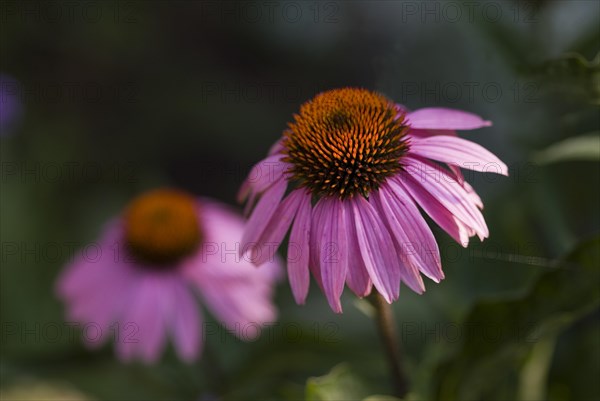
217, 380
387, 331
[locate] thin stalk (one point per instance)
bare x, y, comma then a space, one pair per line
389, 337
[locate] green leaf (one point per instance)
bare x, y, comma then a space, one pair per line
571, 75
29, 388
338, 384
534, 374
584, 148
501, 337
381, 398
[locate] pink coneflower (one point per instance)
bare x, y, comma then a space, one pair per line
141, 288
347, 176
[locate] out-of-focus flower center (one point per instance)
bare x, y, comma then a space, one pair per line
345, 142
162, 226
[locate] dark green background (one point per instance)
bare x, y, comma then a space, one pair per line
139, 94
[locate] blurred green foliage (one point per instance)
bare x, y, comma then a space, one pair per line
172, 94
585, 147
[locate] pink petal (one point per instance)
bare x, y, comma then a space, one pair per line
445, 119
357, 278
95, 291
375, 243
448, 192
262, 213
146, 314
299, 251
99, 308
276, 228
421, 133
83, 287
223, 228
242, 306
458, 175
334, 259
250, 202
237, 293
85, 273
455, 169
317, 227
459, 152
401, 109
264, 174
186, 322
472, 194
276, 148
432, 207
460, 178
417, 242
409, 272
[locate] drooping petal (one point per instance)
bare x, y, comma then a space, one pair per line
238, 294
276, 228
261, 215
442, 216
84, 283
334, 256
418, 245
459, 152
242, 306
445, 119
146, 316
455, 169
448, 192
317, 226
99, 310
472, 194
357, 278
264, 174
409, 272
83, 275
223, 228
374, 242
82, 288
460, 178
299, 250
250, 203
186, 322
276, 148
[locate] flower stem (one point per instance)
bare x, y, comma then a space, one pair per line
217, 381
387, 330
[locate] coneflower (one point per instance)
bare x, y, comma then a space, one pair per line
348, 176
154, 258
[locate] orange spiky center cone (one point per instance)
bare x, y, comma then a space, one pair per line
345, 142
161, 226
